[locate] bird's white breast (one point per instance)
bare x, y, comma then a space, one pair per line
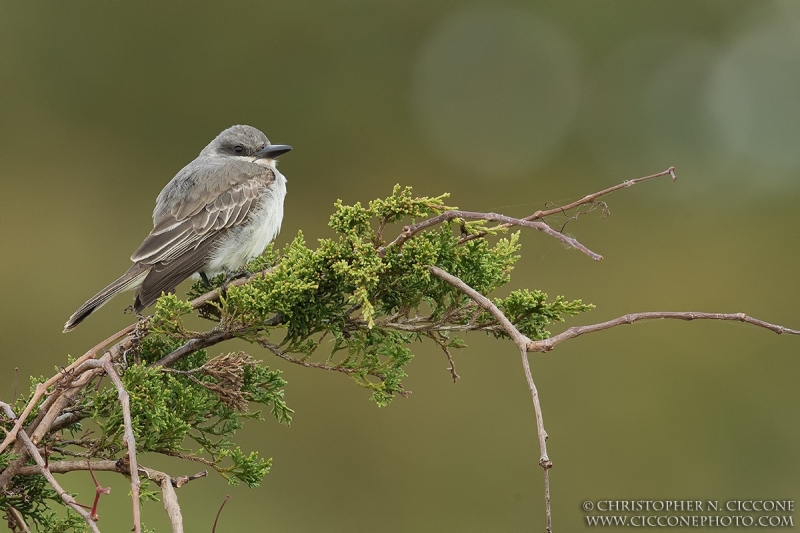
251, 238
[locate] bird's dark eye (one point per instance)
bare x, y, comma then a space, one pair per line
238, 148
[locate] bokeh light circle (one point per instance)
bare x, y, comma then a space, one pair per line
496, 89
754, 95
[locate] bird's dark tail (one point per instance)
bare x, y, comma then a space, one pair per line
129, 280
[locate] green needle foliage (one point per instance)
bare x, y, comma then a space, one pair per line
352, 305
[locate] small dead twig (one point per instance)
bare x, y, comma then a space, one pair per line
446, 350
169, 498
214, 528
98, 491
180, 481
14, 396
588, 199
410, 231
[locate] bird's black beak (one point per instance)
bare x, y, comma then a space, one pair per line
272, 151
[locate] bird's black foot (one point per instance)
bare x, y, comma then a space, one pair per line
231, 276
206, 280
237, 274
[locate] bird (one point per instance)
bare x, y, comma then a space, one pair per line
217, 213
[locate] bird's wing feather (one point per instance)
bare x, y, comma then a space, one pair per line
164, 277
209, 208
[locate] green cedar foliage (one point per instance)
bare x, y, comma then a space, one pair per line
346, 305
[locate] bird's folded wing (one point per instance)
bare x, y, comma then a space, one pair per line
203, 214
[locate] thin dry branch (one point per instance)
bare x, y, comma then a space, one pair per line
106, 465
219, 512
19, 521
443, 346
210, 338
170, 499
41, 388
588, 199
276, 350
410, 231
128, 438
546, 345
522, 343
192, 345
34, 452
166, 482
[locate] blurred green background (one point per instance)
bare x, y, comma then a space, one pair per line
507, 105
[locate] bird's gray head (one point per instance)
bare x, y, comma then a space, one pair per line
244, 142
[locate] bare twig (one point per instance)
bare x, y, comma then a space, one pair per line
214, 528
214, 337
128, 439
33, 452
170, 499
275, 349
14, 398
180, 481
98, 491
107, 465
546, 345
590, 198
522, 343
410, 231
518, 338
446, 350
549, 517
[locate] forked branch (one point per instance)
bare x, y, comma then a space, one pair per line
522, 343
588, 199
525, 345
410, 231
128, 438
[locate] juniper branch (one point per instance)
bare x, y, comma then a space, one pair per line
324, 288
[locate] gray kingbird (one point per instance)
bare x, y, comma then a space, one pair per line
217, 213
